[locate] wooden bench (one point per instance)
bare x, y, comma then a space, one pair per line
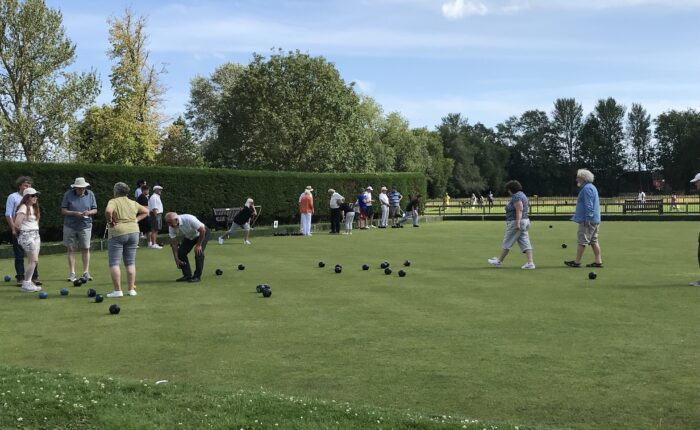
223, 217
643, 206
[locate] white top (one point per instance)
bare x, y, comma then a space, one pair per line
335, 198
11, 205
155, 203
368, 198
384, 199
29, 222
189, 225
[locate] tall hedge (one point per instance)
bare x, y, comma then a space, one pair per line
196, 190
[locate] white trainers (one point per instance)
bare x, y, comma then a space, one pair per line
132, 293
115, 294
71, 277
28, 287
155, 246
528, 266
246, 242
495, 262
87, 276
695, 284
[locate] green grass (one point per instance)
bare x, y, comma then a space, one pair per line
542, 348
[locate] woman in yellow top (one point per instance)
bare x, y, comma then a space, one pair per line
123, 216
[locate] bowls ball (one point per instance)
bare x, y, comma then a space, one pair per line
91, 292
114, 309
43, 294
219, 272
402, 273
387, 271
563, 245
338, 269
550, 225
78, 282
241, 267
99, 298
266, 292
64, 291
407, 263
321, 264
592, 275
8, 278
365, 267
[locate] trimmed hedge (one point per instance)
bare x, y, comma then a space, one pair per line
196, 190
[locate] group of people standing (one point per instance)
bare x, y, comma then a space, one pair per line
124, 218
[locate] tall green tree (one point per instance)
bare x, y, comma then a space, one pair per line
678, 154
178, 147
639, 136
567, 121
602, 144
38, 98
133, 118
491, 156
439, 169
291, 111
465, 177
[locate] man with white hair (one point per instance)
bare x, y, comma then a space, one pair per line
336, 200
195, 235
696, 181
384, 202
587, 216
241, 220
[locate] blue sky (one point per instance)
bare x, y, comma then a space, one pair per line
486, 59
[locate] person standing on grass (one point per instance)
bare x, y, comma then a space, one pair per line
242, 220
394, 204
361, 224
142, 199
411, 210
336, 216
696, 181
78, 207
587, 216
306, 210
674, 202
13, 200
369, 209
384, 204
517, 226
122, 215
155, 216
348, 212
195, 235
26, 224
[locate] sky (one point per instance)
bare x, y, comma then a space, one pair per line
485, 59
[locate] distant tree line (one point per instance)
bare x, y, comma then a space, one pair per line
293, 111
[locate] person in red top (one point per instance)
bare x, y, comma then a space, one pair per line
306, 209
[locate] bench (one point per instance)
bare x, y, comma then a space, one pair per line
224, 216
643, 206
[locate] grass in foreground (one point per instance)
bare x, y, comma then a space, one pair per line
455, 337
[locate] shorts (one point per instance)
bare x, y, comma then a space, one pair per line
521, 236
587, 235
235, 227
77, 239
394, 211
369, 211
363, 213
123, 246
156, 222
29, 240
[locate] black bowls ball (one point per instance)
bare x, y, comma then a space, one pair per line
266, 292
407, 263
402, 273
387, 271
241, 267
338, 269
99, 298
219, 272
114, 309
321, 264
91, 292
563, 245
592, 275
78, 282
365, 267
384, 265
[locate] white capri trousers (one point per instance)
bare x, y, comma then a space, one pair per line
514, 235
349, 218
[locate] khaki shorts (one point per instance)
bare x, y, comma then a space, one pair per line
587, 234
77, 239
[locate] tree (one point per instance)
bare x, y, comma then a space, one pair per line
440, 168
38, 98
465, 176
678, 154
130, 133
291, 112
639, 136
567, 120
178, 147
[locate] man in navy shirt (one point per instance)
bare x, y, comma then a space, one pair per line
78, 207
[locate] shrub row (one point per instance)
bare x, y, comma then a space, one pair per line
196, 190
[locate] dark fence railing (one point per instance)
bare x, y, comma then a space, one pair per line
656, 204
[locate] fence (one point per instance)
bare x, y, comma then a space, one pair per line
559, 206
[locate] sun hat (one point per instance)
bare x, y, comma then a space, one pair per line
370, 188
157, 187
30, 191
383, 189
308, 188
331, 190
79, 183
696, 178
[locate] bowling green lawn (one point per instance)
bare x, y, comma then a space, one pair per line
454, 344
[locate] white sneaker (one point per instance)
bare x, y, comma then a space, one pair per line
156, 246
528, 266
28, 287
246, 242
115, 294
87, 276
221, 240
495, 262
71, 277
132, 293
695, 284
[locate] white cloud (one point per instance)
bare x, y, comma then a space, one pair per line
455, 9
364, 87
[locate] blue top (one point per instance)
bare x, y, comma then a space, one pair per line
394, 198
510, 207
587, 205
361, 200
12, 203
74, 202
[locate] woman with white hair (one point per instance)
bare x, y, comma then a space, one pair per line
242, 220
587, 216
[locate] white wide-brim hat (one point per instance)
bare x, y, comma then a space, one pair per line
80, 183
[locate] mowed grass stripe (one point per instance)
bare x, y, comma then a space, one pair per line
455, 336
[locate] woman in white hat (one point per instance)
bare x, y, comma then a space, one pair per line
27, 223
241, 220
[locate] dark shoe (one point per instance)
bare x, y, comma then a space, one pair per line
194, 279
572, 263
416, 225
587, 265
184, 279
37, 282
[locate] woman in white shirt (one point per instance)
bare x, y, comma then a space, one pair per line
27, 224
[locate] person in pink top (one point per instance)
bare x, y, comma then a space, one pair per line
306, 209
